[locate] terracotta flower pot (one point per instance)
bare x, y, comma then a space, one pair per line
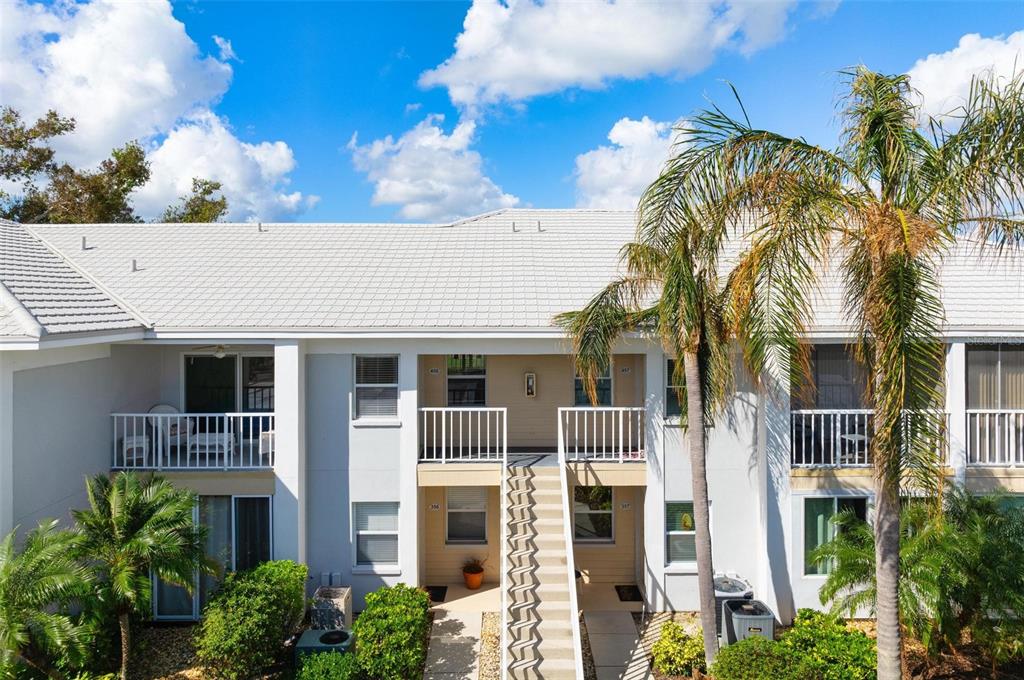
473, 579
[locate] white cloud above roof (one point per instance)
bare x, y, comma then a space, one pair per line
430, 174
512, 51
944, 79
614, 176
124, 71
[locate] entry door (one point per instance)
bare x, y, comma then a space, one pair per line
210, 384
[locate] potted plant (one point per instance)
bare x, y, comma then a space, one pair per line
473, 572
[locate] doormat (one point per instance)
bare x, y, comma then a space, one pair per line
629, 594
437, 593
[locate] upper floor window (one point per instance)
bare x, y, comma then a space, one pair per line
673, 387
995, 376
229, 383
838, 380
467, 380
376, 386
604, 389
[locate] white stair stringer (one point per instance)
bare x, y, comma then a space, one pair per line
542, 640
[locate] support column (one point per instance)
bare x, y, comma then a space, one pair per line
409, 506
956, 407
653, 578
6, 445
290, 450
777, 568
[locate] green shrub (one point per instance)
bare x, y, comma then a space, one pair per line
245, 624
330, 666
757, 658
391, 633
826, 644
676, 653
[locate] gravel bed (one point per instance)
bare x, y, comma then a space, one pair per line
490, 647
165, 652
589, 669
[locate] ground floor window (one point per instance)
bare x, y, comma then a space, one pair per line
680, 535
238, 537
376, 534
819, 529
593, 514
604, 389
467, 515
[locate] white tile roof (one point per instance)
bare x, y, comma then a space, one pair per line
475, 274
58, 298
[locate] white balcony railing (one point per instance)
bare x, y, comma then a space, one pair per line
609, 433
193, 441
463, 434
842, 437
995, 437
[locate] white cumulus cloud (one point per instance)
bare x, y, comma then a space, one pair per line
944, 79
227, 51
254, 177
613, 177
511, 51
430, 174
129, 70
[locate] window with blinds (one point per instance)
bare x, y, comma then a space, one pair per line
680, 535
376, 386
995, 377
376, 534
673, 386
467, 514
604, 389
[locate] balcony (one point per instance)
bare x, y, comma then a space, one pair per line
832, 438
995, 437
481, 435
193, 441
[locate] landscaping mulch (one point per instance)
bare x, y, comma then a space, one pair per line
490, 647
166, 652
589, 668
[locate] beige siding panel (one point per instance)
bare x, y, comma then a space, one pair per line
223, 483
432, 387
458, 474
608, 474
443, 563
988, 480
615, 562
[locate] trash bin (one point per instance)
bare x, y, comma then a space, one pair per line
729, 586
743, 619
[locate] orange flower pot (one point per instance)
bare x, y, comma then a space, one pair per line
473, 579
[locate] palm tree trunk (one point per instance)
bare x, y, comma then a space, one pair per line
696, 438
887, 577
126, 642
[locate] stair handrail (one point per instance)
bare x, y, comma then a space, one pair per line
503, 634
570, 561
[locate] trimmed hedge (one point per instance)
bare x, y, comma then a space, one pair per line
246, 623
676, 653
391, 633
329, 666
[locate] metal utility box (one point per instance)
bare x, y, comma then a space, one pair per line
323, 641
729, 586
332, 608
743, 619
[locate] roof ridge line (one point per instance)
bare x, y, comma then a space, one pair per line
28, 322
117, 299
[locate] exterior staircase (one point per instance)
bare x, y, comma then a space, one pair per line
542, 615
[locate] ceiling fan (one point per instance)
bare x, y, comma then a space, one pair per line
219, 351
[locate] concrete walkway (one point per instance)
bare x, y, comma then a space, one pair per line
454, 650
618, 652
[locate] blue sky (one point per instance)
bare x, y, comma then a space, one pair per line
304, 77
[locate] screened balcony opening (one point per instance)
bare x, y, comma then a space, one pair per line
995, 404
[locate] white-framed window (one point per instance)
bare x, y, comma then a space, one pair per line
995, 376
673, 406
819, 529
593, 516
375, 527
376, 386
604, 389
466, 521
238, 538
229, 383
467, 380
680, 533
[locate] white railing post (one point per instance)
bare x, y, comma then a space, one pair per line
570, 565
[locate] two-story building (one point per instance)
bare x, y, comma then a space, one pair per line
383, 401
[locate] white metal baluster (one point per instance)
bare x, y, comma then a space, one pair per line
444, 435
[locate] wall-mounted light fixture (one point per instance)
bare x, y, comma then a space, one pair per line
530, 384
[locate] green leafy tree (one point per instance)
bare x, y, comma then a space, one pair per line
134, 527
24, 150
202, 205
961, 575
879, 210
673, 290
34, 582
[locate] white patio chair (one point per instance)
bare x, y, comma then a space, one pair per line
170, 432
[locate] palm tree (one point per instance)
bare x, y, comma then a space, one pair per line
672, 289
134, 527
33, 583
880, 210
